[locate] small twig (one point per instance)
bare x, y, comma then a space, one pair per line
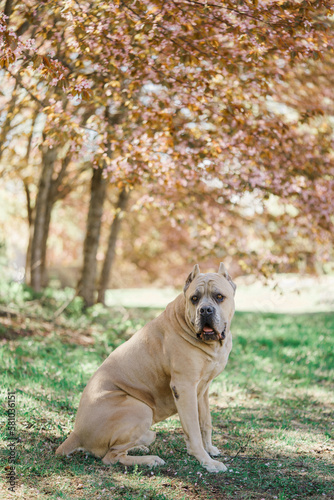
242, 448
63, 307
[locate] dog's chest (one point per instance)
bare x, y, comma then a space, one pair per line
215, 363
212, 368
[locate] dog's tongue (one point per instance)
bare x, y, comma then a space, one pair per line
207, 329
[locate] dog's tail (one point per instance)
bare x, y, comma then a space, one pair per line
70, 444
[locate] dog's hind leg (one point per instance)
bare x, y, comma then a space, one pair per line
145, 441
147, 438
134, 419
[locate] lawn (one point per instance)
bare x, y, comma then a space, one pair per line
272, 407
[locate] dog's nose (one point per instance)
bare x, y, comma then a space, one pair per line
206, 310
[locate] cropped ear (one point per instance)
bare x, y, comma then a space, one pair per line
191, 277
223, 272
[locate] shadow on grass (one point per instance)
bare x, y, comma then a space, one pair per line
254, 471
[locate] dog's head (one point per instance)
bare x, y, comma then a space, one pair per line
209, 303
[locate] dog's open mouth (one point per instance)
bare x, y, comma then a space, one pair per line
209, 333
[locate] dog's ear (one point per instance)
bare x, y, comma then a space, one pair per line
191, 277
223, 272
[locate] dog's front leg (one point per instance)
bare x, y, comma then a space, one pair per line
185, 398
205, 424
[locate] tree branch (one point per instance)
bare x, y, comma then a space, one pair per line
18, 79
7, 122
29, 206
23, 28
8, 7
168, 33
41, 103
193, 2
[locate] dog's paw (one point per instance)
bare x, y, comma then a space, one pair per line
213, 450
215, 466
154, 461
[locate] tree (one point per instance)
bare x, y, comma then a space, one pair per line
191, 89
111, 247
42, 215
87, 283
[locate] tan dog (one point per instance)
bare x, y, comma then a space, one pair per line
165, 368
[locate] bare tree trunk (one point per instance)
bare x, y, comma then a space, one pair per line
47, 221
41, 213
52, 198
31, 233
87, 284
110, 253
30, 208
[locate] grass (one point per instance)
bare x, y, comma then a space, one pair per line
272, 407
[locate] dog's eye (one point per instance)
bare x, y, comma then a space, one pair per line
194, 298
220, 297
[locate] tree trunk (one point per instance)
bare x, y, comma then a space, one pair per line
47, 221
52, 198
87, 284
31, 233
41, 213
30, 208
110, 253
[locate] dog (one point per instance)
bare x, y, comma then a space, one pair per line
165, 368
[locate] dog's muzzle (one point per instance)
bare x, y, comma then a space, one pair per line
207, 330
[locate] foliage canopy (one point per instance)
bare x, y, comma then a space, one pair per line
204, 108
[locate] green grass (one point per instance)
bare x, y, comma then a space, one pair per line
272, 407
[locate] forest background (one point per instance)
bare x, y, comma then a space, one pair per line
139, 137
